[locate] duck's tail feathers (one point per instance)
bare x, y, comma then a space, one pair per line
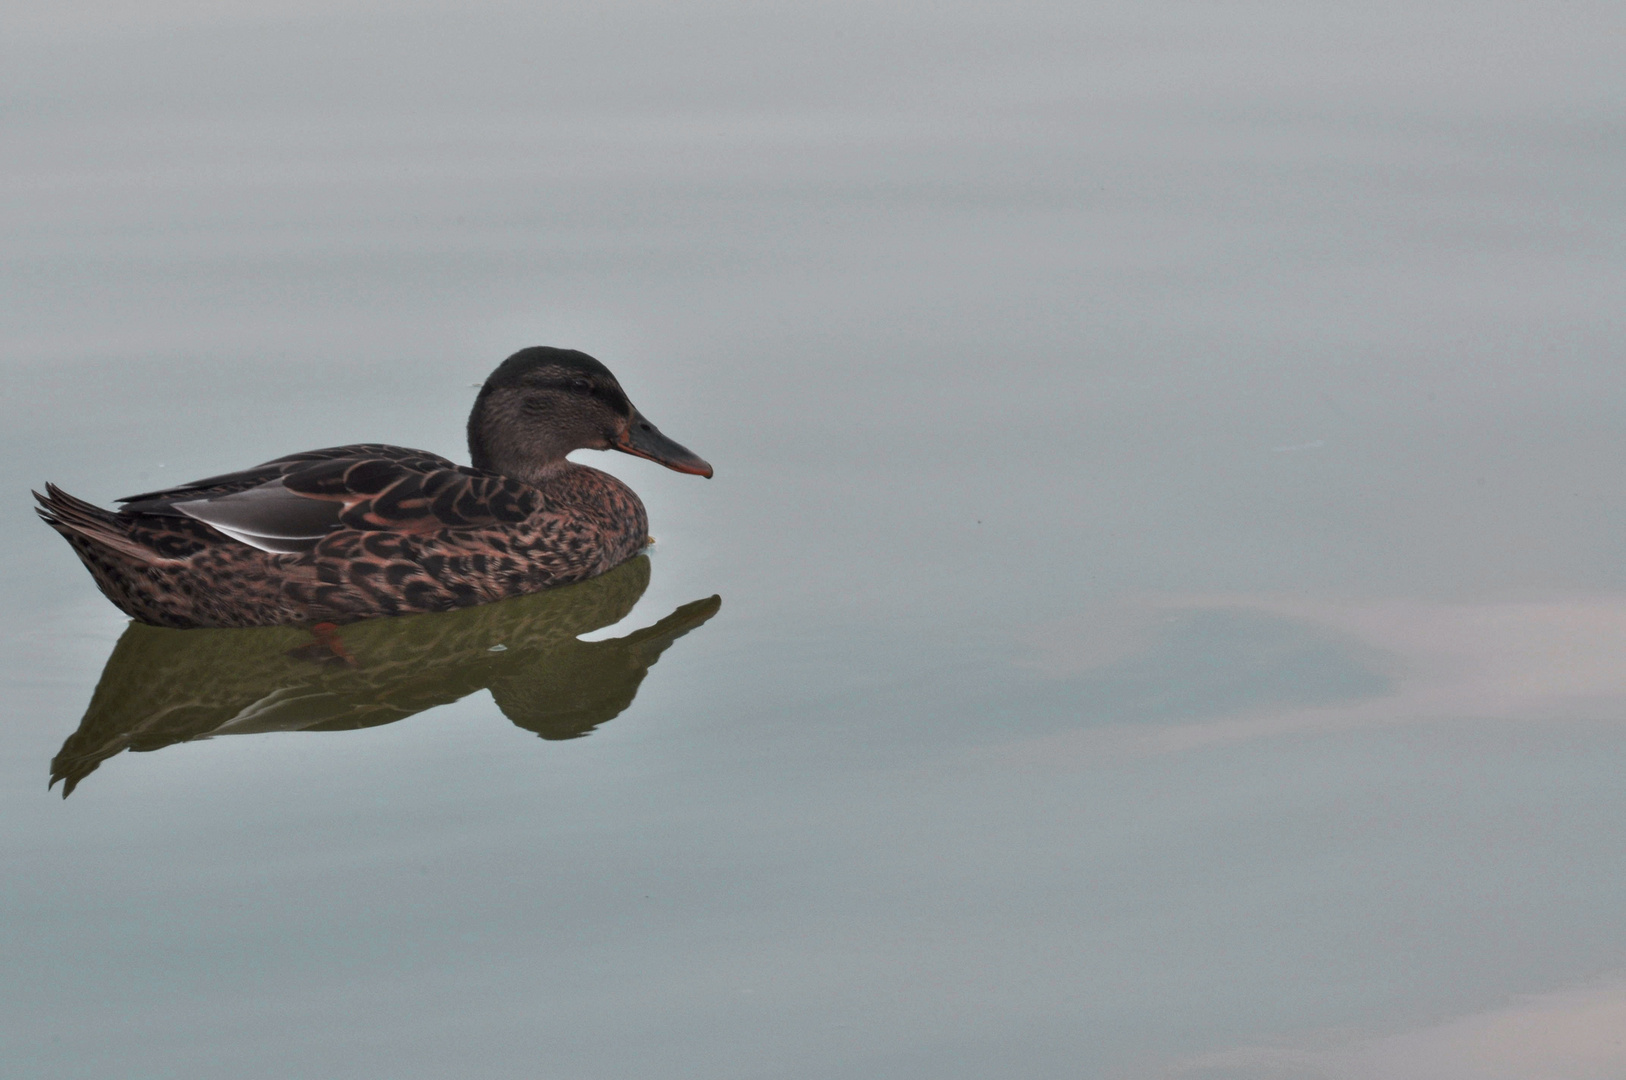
78, 520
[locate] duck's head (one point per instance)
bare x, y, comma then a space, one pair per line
542, 403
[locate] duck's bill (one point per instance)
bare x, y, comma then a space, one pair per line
643, 439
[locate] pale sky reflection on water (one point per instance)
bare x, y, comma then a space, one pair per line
1533, 661
1167, 527
1574, 1032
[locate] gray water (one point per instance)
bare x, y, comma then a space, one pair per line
1167, 541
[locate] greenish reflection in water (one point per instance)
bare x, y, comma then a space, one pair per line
161, 686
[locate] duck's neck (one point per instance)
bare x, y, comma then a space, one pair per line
529, 469
500, 444
542, 475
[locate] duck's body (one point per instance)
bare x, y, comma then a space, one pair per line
430, 536
356, 532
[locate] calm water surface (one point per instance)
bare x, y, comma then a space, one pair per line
1161, 610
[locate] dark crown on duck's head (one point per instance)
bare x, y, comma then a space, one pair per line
542, 403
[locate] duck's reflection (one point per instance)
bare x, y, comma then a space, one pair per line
168, 686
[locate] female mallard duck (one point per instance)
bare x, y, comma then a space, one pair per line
355, 532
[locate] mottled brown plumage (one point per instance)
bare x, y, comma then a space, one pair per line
356, 532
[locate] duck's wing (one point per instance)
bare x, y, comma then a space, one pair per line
243, 479
289, 505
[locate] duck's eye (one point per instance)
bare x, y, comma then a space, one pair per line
581, 386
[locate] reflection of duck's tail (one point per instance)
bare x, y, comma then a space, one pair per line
596, 680
72, 768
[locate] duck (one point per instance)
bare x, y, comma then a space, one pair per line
368, 530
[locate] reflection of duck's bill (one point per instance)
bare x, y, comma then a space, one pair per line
678, 623
643, 439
